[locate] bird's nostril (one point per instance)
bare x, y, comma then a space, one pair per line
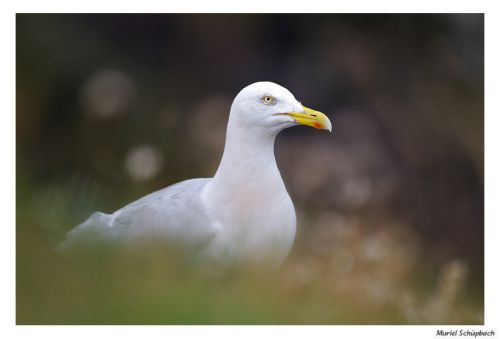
314, 115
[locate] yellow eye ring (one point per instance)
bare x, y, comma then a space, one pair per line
268, 100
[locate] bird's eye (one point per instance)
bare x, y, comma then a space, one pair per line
268, 100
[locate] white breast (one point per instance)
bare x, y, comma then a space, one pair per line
256, 221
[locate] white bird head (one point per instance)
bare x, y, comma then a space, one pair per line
270, 107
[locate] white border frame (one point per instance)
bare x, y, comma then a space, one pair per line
7, 171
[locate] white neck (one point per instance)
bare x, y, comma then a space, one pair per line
248, 158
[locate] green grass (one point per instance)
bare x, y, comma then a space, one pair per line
157, 286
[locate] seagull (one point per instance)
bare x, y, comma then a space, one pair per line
244, 213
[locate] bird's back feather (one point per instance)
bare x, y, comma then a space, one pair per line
175, 213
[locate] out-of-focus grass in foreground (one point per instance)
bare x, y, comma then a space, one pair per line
158, 286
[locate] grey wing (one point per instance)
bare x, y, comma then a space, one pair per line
175, 213
94, 229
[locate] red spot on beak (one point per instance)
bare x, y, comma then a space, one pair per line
317, 125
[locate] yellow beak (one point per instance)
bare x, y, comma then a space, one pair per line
311, 118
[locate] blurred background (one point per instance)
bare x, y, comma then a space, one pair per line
390, 213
